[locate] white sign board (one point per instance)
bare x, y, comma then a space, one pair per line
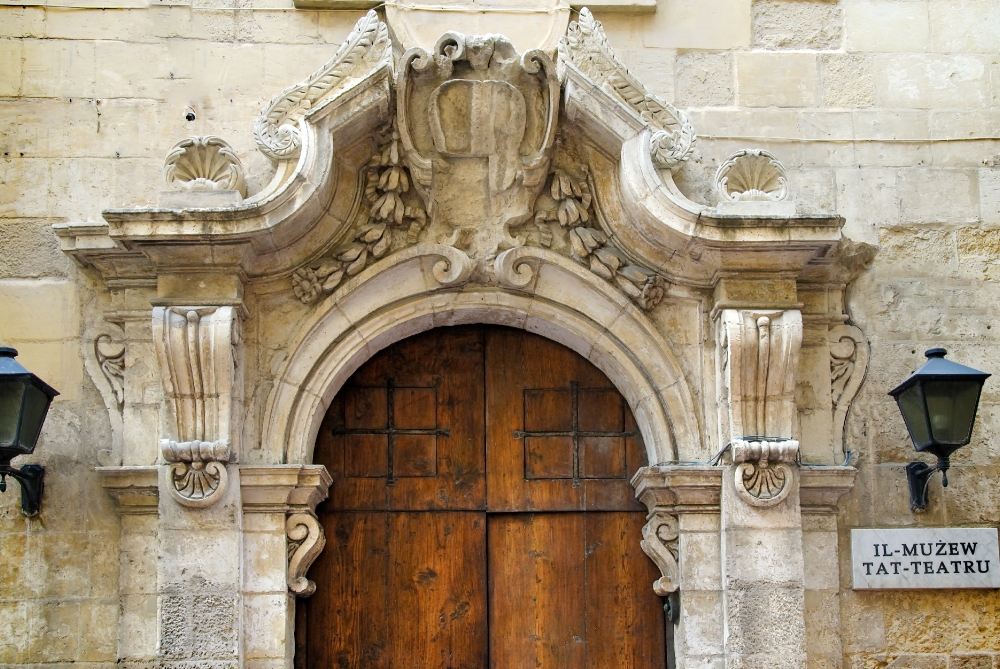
930, 557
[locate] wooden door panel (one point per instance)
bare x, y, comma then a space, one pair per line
572, 591
559, 435
400, 590
537, 617
406, 431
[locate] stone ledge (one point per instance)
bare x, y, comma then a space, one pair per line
600, 6
135, 489
679, 488
283, 488
820, 488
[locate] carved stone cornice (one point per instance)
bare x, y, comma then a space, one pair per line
135, 489
677, 489
821, 488
283, 488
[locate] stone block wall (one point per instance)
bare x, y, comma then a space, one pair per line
886, 111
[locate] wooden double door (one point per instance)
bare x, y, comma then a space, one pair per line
481, 514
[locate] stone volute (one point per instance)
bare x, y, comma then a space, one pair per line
463, 179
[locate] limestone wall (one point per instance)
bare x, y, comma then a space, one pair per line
887, 111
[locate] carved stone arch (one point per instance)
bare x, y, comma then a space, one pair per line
423, 287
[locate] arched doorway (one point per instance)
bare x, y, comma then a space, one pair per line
481, 513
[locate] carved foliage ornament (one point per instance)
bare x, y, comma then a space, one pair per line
659, 542
305, 542
204, 163
849, 354
586, 46
763, 476
391, 208
110, 357
276, 129
575, 213
197, 351
751, 175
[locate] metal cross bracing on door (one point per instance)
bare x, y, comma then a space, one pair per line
576, 429
392, 431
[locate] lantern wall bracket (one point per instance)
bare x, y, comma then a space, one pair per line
918, 476
32, 480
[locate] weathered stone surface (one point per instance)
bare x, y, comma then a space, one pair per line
847, 80
776, 79
704, 79
797, 24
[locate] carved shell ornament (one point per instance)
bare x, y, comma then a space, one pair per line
204, 163
276, 129
586, 47
751, 175
763, 476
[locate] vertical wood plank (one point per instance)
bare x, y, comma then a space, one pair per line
438, 586
347, 622
625, 620
537, 613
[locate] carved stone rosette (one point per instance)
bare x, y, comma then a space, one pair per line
197, 349
763, 476
659, 542
305, 542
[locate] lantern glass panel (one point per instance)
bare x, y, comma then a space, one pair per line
11, 393
911, 405
951, 407
36, 405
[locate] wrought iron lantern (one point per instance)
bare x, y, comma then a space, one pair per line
938, 403
24, 401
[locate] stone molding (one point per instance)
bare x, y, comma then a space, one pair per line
198, 349
292, 491
673, 489
548, 294
136, 490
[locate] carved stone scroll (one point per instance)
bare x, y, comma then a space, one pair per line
763, 476
276, 129
659, 542
586, 46
104, 359
198, 353
305, 542
759, 354
849, 352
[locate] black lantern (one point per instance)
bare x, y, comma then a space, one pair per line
938, 403
24, 401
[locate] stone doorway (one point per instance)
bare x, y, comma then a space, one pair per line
481, 513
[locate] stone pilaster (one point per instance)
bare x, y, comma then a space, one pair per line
281, 538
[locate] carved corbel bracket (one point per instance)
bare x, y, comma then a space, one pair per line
305, 542
198, 349
659, 542
104, 359
763, 473
759, 358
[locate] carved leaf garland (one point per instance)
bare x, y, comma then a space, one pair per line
387, 214
276, 129
586, 46
591, 246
